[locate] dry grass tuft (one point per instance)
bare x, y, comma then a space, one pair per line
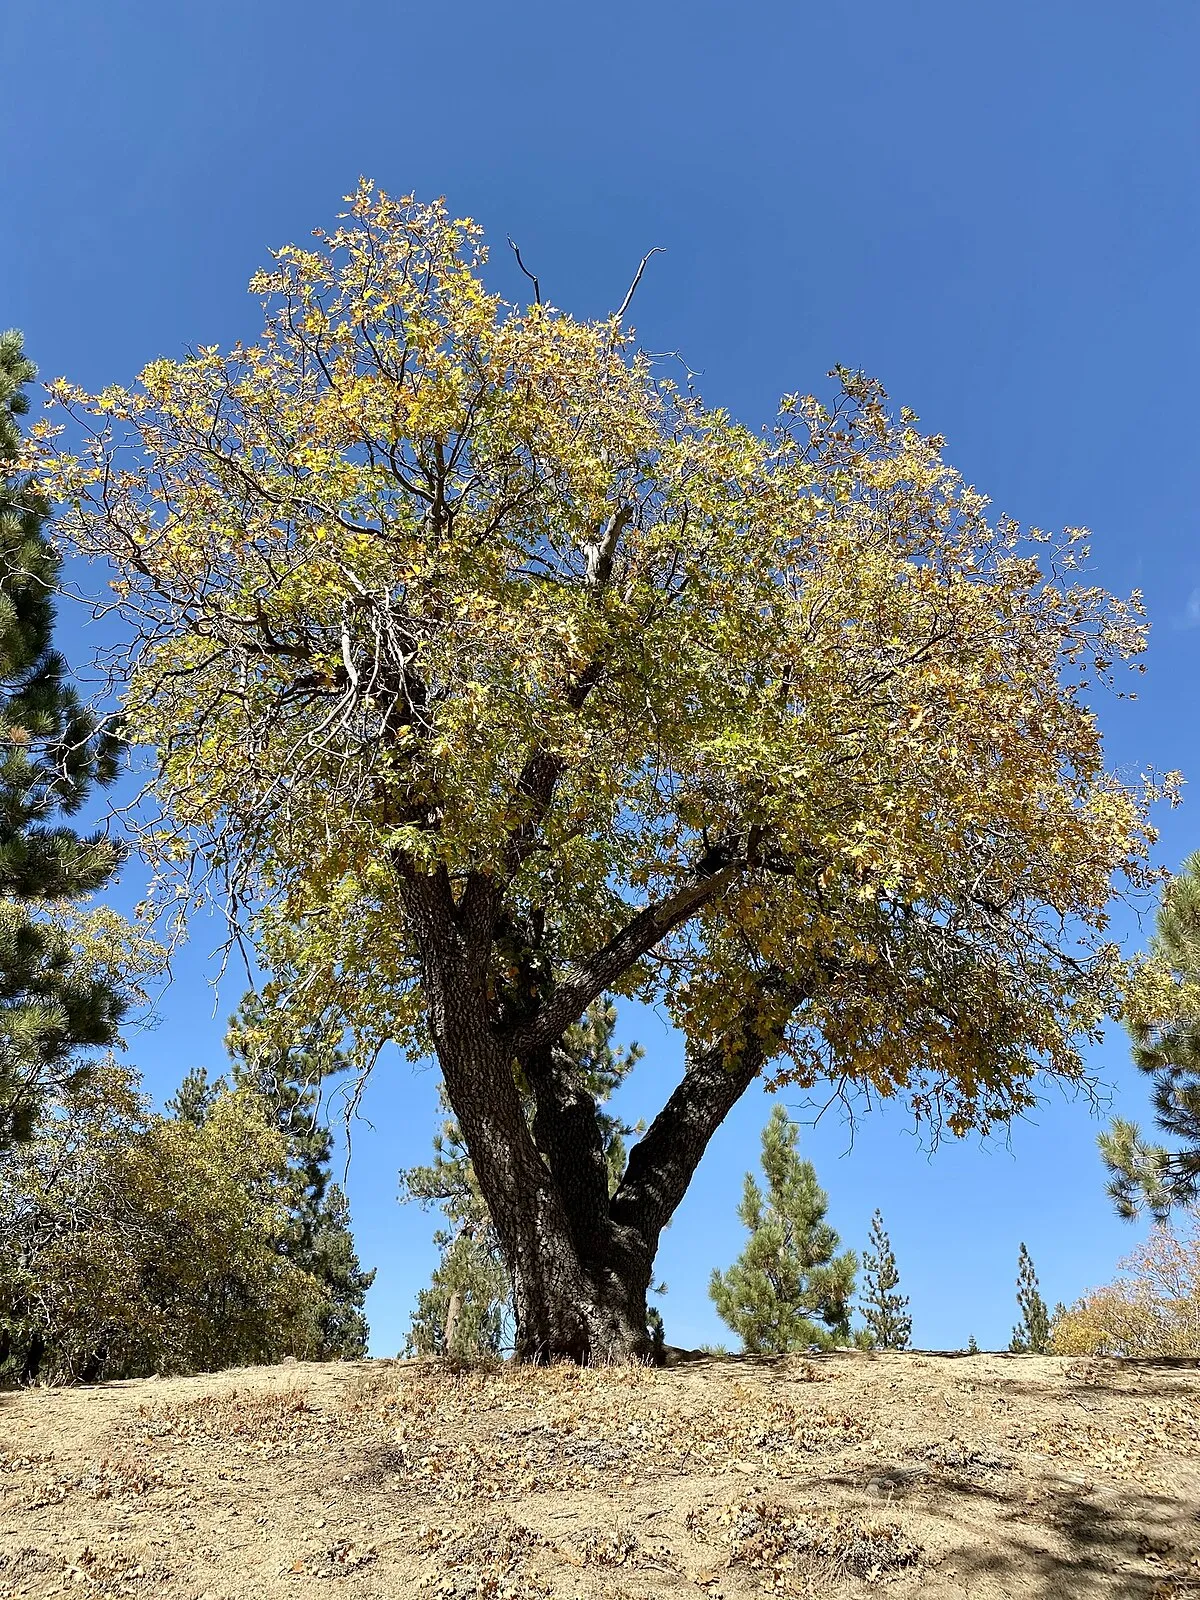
605, 1547
789, 1547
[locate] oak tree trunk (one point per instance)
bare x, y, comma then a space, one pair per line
579, 1260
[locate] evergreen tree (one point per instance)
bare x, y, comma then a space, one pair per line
972, 1345
466, 1309
883, 1309
287, 1076
1031, 1336
1165, 1029
51, 754
789, 1288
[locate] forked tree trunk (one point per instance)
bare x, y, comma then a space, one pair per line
580, 1261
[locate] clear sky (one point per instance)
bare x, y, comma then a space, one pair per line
993, 209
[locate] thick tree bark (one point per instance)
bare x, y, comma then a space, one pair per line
580, 1262
553, 1300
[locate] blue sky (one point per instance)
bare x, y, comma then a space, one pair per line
990, 208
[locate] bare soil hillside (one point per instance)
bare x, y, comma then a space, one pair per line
842, 1475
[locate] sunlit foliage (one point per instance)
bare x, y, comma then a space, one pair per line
133, 1243
1152, 1310
488, 672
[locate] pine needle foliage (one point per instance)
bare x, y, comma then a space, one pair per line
1031, 1336
51, 754
789, 1288
470, 1274
884, 1311
1164, 1025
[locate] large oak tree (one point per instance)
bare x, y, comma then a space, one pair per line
488, 672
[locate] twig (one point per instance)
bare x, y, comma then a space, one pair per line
537, 290
637, 278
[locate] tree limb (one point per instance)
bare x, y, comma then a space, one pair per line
600, 551
637, 278
613, 960
537, 288
662, 1163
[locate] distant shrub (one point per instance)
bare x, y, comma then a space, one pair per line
1153, 1310
132, 1243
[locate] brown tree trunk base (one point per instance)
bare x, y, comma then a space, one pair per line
604, 1325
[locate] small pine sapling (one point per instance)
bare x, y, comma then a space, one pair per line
789, 1289
884, 1311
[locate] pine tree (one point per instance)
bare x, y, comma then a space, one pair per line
1032, 1334
1165, 1031
51, 754
789, 1288
883, 1309
287, 1076
466, 1307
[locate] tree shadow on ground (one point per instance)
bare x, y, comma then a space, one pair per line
1113, 1542
1079, 1391
1096, 1551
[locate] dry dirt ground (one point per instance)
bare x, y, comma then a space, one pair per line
840, 1475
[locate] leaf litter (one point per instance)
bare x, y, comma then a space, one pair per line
986, 1476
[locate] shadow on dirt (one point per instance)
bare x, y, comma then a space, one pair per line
1072, 1546
1054, 1541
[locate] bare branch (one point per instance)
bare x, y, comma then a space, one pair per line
537, 288
601, 550
637, 278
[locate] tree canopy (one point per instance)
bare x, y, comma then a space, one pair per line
132, 1243
489, 671
1152, 1309
286, 1074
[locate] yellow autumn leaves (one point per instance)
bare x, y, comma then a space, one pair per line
373, 564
